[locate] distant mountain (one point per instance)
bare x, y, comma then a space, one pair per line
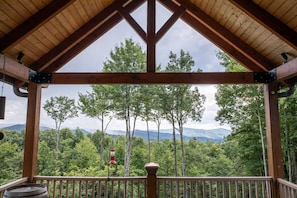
203, 135
20, 127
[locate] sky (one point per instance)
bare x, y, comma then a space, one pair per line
180, 36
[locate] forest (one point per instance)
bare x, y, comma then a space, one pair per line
242, 153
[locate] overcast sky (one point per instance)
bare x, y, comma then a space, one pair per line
180, 36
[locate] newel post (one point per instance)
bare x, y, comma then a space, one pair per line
151, 169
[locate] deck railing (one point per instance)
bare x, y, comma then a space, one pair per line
153, 186
287, 189
94, 186
219, 187
12, 184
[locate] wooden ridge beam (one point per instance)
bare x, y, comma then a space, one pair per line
264, 18
33, 23
154, 78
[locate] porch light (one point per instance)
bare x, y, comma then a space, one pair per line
2, 107
112, 157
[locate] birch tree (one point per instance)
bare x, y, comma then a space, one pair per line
60, 109
127, 57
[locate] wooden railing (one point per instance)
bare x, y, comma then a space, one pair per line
206, 187
219, 187
287, 189
94, 186
154, 186
12, 184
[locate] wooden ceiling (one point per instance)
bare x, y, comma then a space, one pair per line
50, 33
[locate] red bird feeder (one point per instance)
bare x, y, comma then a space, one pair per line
112, 157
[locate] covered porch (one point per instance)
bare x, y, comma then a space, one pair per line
25, 31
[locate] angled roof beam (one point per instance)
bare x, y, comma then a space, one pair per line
133, 23
154, 78
287, 70
33, 23
274, 25
177, 13
220, 36
77, 36
66, 55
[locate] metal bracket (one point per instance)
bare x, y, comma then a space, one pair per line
265, 77
40, 77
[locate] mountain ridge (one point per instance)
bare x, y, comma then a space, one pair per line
204, 135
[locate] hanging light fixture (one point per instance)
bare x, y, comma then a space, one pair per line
2, 107
2, 98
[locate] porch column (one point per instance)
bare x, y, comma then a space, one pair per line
32, 131
274, 151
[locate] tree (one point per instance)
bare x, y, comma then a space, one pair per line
60, 109
183, 102
242, 107
128, 57
98, 105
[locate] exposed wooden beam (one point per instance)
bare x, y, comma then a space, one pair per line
78, 47
32, 131
287, 70
264, 18
56, 52
133, 23
177, 13
154, 78
151, 35
79, 40
222, 37
13, 69
274, 151
33, 23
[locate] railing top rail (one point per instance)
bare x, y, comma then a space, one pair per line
217, 178
14, 183
287, 183
71, 178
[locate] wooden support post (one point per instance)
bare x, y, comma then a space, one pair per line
151, 169
274, 151
151, 36
32, 131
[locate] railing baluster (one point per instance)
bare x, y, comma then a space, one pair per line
54, 189
67, 186
256, 189
61, 188
230, 189
224, 189
237, 189
243, 188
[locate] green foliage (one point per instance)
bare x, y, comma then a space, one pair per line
60, 109
11, 156
242, 107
